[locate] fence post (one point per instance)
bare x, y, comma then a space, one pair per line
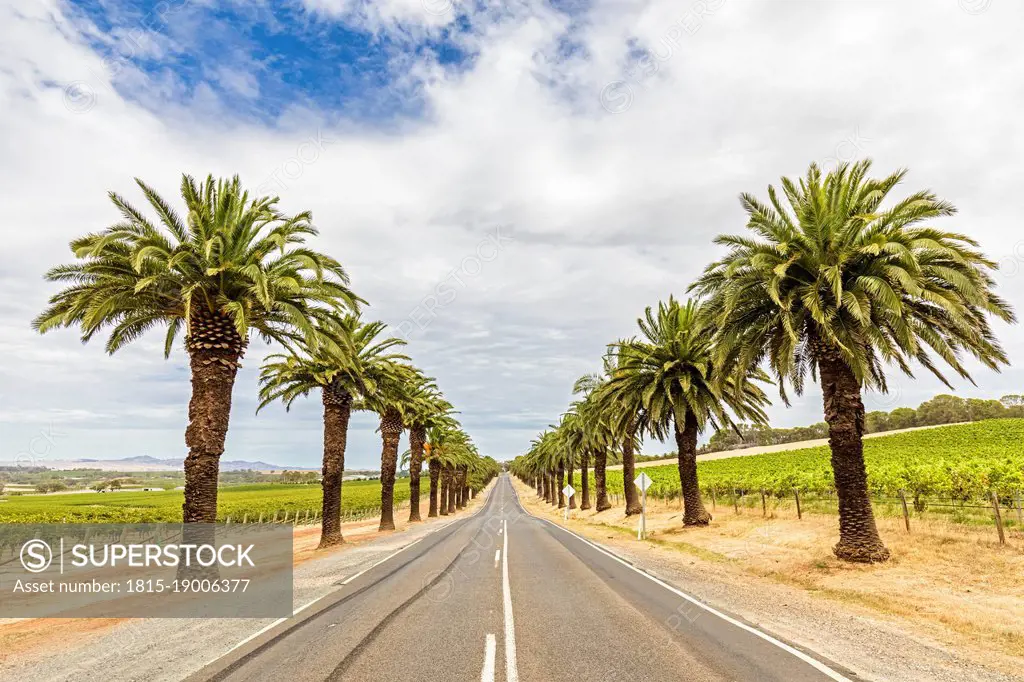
275, 516
228, 522
906, 512
999, 518
261, 519
245, 519
764, 504
799, 513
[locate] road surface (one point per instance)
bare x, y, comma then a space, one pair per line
502, 595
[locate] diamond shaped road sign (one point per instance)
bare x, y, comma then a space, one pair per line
643, 481
569, 491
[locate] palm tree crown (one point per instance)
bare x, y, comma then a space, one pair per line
834, 270
348, 359
671, 374
235, 262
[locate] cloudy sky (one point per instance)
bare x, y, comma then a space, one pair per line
553, 166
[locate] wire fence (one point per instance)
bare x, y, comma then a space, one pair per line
311, 515
1004, 515
300, 516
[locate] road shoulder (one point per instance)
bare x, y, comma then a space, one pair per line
874, 644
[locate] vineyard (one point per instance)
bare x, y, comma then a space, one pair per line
242, 502
960, 465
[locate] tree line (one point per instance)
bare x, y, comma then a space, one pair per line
942, 409
232, 266
828, 284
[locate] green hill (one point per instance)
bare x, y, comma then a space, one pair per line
961, 462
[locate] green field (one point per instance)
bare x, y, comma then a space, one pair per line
358, 498
963, 462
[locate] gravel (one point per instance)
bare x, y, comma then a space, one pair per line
873, 648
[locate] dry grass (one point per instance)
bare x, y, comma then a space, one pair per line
953, 583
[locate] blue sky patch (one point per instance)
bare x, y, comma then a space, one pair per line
261, 63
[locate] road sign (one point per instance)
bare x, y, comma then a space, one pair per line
643, 481
568, 491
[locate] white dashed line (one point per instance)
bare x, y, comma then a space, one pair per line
490, 646
511, 669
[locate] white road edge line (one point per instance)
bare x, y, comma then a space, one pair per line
342, 583
814, 663
490, 647
511, 669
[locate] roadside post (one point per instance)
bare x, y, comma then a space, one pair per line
568, 491
643, 481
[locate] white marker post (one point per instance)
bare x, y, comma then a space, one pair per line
643, 481
568, 491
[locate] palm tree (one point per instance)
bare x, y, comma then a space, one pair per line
599, 438
837, 285
572, 436
235, 265
393, 399
344, 365
426, 410
434, 467
545, 449
482, 471
671, 375
434, 449
450, 448
627, 420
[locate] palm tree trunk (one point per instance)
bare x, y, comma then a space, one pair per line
539, 484
446, 482
391, 434
460, 487
585, 480
600, 461
694, 513
844, 413
209, 411
452, 482
435, 474
569, 471
337, 411
417, 437
546, 484
633, 505
552, 488
561, 485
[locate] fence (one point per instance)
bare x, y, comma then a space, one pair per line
296, 517
1005, 516
311, 515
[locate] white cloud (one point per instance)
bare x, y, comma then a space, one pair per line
609, 212
393, 15
238, 81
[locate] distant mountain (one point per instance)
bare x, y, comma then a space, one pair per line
148, 463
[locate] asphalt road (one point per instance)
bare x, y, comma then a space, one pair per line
502, 595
